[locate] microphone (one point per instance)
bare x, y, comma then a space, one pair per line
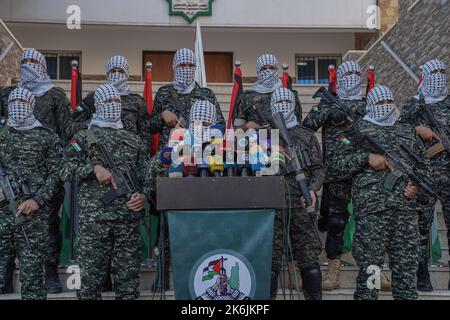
202, 165
257, 157
216, 132
277, 161
230, 161
175, 171
244, 166
165, 157
190, 169
215, 165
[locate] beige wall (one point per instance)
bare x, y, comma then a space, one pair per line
98, 43
234, 13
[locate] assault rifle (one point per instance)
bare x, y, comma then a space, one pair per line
14, 192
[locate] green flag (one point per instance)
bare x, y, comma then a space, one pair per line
436, 252
349, 230
232, 260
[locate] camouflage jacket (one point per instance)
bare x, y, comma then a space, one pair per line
414, 114
36, 153
53, 110
244, 113
134, 115
4, 94
167, 98
315, 173
127, 152
368, 192
318, 118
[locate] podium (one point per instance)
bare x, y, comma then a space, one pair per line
221, 234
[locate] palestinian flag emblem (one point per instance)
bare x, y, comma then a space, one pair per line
75, 146
213, 269
222, 275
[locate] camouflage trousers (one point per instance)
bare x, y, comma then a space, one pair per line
31, 259
426, 213
397, 233
305, 244
54, 232
335, 199
101, 242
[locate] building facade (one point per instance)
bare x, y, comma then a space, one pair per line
307, 35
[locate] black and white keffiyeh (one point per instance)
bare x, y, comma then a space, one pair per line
33, 75
283, 102
382, 114
268, 80
21, 104
202, 112
434, 85
118, 79
348, 87
184, 77
107, 113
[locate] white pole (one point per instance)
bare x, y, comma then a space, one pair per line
200, 73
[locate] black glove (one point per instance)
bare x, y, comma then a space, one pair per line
336, 116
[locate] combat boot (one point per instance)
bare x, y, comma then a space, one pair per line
423, 278
385, 283
312, 280
52, 278
331, 280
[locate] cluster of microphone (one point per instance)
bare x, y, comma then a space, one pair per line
241, 155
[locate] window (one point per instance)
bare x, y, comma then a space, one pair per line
314, 69
59, 64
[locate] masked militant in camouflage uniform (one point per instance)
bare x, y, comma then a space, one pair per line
267, 71
30, 160
385, 212
306, 246
134, 108
434, 95
111, 165
172, 106
173, 102
336, 194
54, 112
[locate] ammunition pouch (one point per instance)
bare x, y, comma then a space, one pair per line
435, 150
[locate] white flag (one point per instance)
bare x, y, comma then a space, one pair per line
200, 72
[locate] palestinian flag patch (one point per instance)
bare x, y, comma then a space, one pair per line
344, 140
74, 144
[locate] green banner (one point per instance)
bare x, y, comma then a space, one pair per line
221, 255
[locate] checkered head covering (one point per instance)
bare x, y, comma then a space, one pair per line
33, 74
283, 102
348, 87
118, 79
383, 114
184, 80
107, 113
21, 104
268, 80
434, 86
201, 111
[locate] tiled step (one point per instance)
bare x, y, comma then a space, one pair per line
439, 277
341, 294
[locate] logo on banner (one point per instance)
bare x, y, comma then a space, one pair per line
190, 9
222, 275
